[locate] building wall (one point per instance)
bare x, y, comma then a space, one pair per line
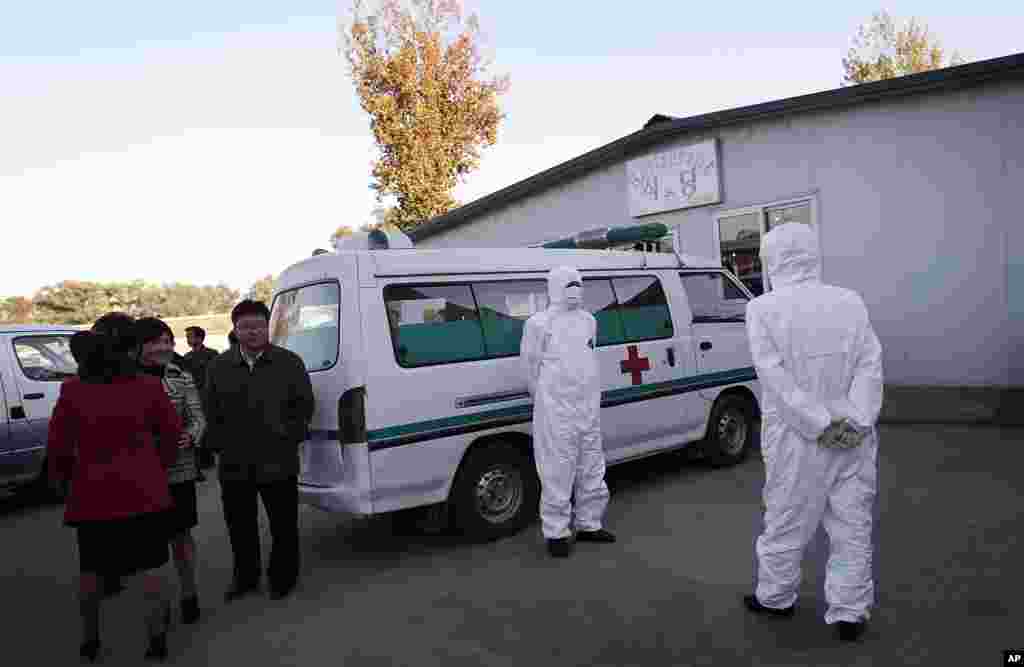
917, 210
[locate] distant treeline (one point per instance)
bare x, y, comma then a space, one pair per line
79, 302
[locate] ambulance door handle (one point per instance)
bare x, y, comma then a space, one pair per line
672, 356
34, 397
706, 345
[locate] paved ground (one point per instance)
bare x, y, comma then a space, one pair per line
949, 575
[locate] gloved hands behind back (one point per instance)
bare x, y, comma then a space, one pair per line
841, 435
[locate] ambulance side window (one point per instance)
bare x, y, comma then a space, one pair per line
599, 299
433, 324
714, 297
643, 307
504, 308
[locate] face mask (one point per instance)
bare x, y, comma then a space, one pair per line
574, 296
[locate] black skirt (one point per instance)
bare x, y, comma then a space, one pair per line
123, 546
184, 514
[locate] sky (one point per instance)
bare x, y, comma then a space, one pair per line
218, 142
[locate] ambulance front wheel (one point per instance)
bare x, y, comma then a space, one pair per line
730, 433
496, 493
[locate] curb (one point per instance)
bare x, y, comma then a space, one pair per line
914, 404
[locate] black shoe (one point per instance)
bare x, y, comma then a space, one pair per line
157, 647
241, 589
281, 592
559, 548
190, 610
90, 650
599, 535
754, 605
112, 586
850, 632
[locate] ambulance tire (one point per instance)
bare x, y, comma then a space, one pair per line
730, 433
496, 493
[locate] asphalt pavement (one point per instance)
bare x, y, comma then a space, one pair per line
380, 592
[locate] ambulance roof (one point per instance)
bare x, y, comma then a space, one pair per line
452, 261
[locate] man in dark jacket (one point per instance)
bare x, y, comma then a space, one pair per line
199, 356
259, 401
197, 360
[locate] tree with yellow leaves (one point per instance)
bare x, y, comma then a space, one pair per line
419, 74
883, 50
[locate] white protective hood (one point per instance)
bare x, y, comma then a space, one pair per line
790, 255
558, 280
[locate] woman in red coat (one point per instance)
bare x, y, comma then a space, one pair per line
101, 441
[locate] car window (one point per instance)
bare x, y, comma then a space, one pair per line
599, 299
504, 307
643, 307
433, 324
45, 358
306, 321
714, 297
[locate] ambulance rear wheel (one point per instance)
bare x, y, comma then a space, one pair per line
496, 493
730, 433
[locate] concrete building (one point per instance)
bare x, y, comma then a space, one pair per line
912, 185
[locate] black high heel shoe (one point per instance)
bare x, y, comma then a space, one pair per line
158, 644
190, 610
157, 647
90, 650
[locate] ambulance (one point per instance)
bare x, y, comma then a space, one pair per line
420, 395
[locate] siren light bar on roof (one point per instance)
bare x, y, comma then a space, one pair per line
607, 237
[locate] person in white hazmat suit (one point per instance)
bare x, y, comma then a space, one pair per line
560, 363
820, 368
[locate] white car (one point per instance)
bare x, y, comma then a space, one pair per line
34, 360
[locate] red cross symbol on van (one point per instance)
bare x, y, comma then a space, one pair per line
635, 365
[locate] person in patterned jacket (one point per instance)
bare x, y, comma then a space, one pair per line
155, 358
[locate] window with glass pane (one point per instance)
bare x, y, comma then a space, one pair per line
644, 310
434, 324
714, 297
504, 308
306, 321
45, 358
599, 300
740, 239
780, 215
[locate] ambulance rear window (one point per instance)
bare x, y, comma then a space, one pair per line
305, 320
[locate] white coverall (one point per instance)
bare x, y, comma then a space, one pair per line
818, 361
560, 364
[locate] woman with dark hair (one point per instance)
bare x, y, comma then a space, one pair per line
101, 441
113, 324
155, 358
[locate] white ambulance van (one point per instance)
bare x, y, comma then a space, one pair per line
413, 356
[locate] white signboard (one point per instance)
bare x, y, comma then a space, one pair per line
679, 178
